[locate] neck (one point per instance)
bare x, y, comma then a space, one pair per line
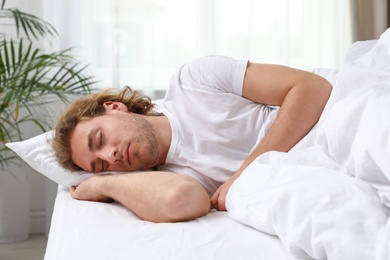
163, 132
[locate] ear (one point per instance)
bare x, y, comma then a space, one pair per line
115, 106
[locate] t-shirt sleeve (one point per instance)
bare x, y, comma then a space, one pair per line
215, 74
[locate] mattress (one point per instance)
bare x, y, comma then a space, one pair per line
93, 230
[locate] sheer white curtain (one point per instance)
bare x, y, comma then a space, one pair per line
141, 43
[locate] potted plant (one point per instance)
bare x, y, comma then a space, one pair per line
30, 80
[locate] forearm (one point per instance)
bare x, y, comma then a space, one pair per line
299, 112
155, 196
301, 96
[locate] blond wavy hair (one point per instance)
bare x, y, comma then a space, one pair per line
92, 106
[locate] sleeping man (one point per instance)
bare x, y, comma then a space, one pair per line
218, 115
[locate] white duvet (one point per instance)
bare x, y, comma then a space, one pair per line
330, 198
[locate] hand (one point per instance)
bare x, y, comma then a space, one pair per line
219, 197
88, 190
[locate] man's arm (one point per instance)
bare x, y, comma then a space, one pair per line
153, 196
301, 96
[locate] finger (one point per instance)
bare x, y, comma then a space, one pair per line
221, 200
221, 204
72, 190
214, 200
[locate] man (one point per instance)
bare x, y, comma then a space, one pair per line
218, 115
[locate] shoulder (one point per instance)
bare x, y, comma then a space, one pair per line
221, 73
212, 63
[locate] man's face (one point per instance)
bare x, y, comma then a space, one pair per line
115, 141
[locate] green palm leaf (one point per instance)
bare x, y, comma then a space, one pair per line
31, 78
28, 25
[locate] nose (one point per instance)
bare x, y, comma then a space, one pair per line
110, 154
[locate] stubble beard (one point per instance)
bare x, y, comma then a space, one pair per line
145, 136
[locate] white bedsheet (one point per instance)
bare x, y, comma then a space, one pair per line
329, 199
91, 230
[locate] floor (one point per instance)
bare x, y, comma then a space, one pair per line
31, 249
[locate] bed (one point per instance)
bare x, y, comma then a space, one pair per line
328, 198
109, 231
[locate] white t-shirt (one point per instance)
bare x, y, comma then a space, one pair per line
214, 128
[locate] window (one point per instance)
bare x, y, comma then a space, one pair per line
141, 43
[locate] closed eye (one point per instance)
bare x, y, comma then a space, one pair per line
100, 147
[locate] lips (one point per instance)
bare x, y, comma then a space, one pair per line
129, 155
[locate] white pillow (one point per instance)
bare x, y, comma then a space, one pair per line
39, 154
